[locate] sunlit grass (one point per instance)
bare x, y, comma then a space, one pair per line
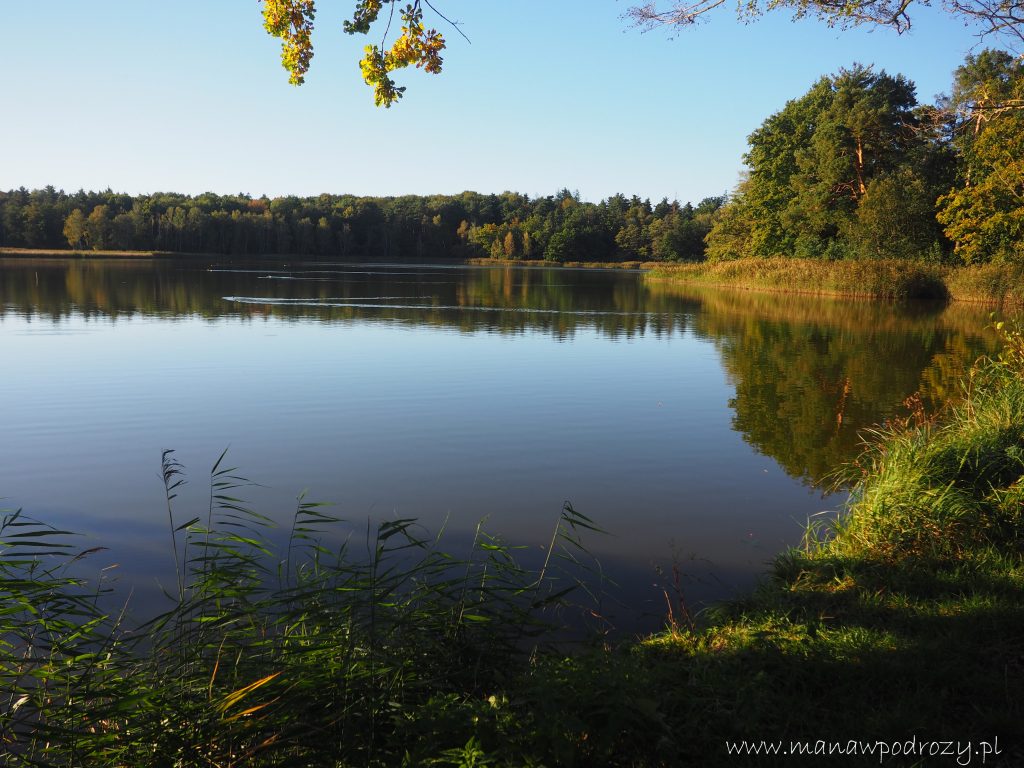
627, 265
78, 254
868, 278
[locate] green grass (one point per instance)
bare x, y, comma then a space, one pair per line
902, 619
997, 284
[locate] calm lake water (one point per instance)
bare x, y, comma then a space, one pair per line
695, 425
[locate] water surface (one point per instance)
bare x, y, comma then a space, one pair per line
695, 425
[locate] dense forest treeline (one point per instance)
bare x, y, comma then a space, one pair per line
509, 226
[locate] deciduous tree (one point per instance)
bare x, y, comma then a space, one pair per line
984, 214
896, 218
74, 228
99, 228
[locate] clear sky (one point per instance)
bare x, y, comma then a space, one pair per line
189, 96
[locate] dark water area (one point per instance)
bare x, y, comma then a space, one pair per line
697, 426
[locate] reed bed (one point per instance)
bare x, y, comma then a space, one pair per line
310, 654
995, 284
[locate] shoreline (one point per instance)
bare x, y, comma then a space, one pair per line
627, 266
991, 284
83, 255
997, 285
51, 253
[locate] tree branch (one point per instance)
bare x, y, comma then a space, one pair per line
454, 24
1002, 18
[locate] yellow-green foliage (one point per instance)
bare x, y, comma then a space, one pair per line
884, 279
292, 22
888, 279
990, 283
984, 218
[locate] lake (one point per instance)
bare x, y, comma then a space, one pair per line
697, 426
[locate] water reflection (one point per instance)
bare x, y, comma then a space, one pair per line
809, 373
558, 302
812, 373
687, 421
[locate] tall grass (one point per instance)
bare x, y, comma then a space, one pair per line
996, 284
883, 279
1000, 284
930, 489
326, 651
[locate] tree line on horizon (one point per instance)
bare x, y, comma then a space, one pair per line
557, 228
854, 168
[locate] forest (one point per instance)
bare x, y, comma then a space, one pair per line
557, 228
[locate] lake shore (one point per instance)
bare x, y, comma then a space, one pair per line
89, 254
994, 284
541, 263
53, 253
901, 617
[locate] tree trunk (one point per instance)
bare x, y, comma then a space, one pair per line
860, 168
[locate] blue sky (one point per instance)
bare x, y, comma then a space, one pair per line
142, 96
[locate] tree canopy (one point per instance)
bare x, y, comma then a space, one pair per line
984, 214
826, 167
856, 167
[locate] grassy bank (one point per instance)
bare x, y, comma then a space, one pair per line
903, 619
995, 284
43, 253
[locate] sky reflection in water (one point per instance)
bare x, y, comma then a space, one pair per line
691, 424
